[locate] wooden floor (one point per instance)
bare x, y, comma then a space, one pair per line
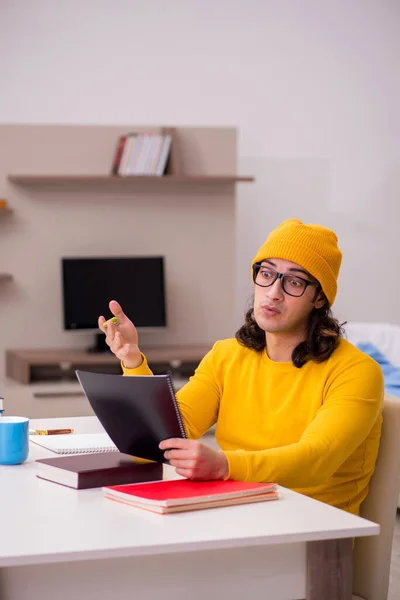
394, 588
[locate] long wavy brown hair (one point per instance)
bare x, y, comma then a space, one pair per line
323, 334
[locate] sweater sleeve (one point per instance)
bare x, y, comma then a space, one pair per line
142, 369
199, 399
353, 402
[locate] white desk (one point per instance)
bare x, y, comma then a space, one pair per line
59, 543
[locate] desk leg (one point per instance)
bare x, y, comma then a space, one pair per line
329, 570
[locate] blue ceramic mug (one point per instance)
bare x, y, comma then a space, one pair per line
14, 440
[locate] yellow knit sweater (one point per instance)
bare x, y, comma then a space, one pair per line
314, 429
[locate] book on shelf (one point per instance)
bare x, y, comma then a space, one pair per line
118, 154
84, 471
180, 495
137, 412
141, 154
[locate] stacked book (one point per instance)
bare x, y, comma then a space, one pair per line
141, 154
178, 495
85, 471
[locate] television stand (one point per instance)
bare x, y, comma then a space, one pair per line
99, 346
46, 365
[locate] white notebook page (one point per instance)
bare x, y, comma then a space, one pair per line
75, 443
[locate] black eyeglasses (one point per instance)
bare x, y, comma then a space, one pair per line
291, 284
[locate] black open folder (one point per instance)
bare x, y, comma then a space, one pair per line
137, 412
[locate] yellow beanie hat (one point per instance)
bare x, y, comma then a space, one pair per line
313, 247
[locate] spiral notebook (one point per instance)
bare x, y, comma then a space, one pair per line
75, 443
137, 412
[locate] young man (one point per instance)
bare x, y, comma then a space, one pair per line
293, 402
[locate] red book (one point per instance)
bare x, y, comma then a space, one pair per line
118, 154
183, 494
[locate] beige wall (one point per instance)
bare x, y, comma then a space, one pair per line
193, 227
312, 86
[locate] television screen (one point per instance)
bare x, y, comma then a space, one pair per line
137, 283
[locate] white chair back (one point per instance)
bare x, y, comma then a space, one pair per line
372, 555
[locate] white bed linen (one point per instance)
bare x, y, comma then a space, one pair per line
385, 336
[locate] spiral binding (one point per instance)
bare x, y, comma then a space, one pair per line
177, 409
95, 450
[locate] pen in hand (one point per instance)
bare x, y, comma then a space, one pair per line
49, 431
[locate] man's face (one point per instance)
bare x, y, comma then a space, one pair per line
276, 311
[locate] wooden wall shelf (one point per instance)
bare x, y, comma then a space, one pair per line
30, 365
132, 180
66, 165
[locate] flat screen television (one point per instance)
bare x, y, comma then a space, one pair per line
136, 282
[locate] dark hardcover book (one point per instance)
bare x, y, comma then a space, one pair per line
164, 156
83, 471
137, 412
